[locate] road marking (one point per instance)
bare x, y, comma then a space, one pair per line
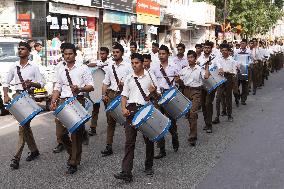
15, 122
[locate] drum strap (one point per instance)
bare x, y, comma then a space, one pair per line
69, 80
140, 89
165, 76
21, 77
116, 78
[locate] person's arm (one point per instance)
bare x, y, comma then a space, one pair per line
207, 73
125, 95
6, 84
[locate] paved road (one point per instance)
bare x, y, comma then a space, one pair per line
242, 154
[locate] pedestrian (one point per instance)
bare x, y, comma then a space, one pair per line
26, 76
72, 80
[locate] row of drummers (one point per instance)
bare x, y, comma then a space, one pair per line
143, 96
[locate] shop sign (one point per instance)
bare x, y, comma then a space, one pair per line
97, 3
91, 23
117, 17
148, 12
25, 22
75, 2
119, 5
61, 8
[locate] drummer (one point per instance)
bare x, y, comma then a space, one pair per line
27, 77
81, 79
207, 98
162, 71
227, 67
191, 78
244, 82
132, 99
102, 63
112, 87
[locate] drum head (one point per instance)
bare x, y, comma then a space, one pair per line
114, 103
98, 77
167, 96
142, 115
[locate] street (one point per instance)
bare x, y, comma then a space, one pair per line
247, 153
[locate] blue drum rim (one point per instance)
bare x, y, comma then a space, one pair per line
185, 111
61, 106
169, 99
114, 103
164, 132
79, 123
212, 69
16, 99
31, 116
217, 85
143, 120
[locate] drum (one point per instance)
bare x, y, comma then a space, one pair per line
214, 80
175, 103
72, 114
98, 76
243, 60
23, 108
114, 108
151, 122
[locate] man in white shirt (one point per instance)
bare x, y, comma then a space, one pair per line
102, 63
256, 66
243, 79
36, 58
227, 67
165, 73
191, 78
180, 59
207, 98
112, 87
198, 50
26, 76
72, 80
155, 53
132, 100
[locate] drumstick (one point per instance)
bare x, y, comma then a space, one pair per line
151, 79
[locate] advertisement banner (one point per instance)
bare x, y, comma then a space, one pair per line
125, 5
117, 17
25, 22
148, 12
97, 3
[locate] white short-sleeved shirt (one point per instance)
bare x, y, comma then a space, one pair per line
131, 90
192, 77
171, 70
180, 62
80, 75
122, 70
228, 65
155, 58
202, 60
29, 72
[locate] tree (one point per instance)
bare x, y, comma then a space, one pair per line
255, 16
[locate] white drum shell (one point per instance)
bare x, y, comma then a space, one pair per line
214, 80
24, 107
98, 77
71, 114
117, 114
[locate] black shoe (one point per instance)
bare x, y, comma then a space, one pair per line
4, 112
230, 118
92, 132
244, 103
71, 169
123, 176
107, 151
209, 130
149, 171
14, 164
223, 113
175, 142
237, 103
85, 138
59, 148
161, 154
192, 141
32, 156
216, 120
254, 92
205, 128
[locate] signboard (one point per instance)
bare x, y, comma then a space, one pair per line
148, 12
25, 22
117, 17
119, 5
97, 3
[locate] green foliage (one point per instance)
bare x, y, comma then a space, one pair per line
255, 16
